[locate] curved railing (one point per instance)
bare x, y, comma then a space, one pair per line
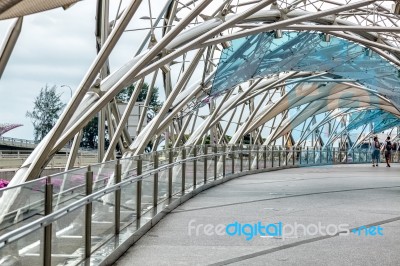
70, 217
23, 143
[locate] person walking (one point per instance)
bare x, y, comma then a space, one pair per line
375, 151
388, 151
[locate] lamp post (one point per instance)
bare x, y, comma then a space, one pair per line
62, 86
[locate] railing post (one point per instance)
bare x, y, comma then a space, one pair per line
155, 179
327, 155
88, 213
48, 209
205, 163
320, 155
183, 169
194, 166
272, 157
265, 156
279, 157
223, 160
293, 155
313, 156
257, 157
241, 157
286, 156
249, 150
333, 156
117, 209
170, 161
233, 158
139, 189
215, 149
300, 150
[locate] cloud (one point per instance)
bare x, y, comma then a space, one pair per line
57, 47
54, 47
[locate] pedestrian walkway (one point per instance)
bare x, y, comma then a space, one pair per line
352, 195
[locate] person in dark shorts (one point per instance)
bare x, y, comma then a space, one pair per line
388, 151
375, 151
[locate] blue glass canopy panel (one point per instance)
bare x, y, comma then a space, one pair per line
379, 119
262, 55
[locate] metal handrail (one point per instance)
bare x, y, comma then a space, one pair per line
42, 222
237, 150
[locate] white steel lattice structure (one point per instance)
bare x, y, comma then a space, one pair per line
283, 104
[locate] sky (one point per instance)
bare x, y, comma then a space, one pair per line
54, 48
57, 47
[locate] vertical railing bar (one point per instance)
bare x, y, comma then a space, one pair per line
215, 149
233, 158
48, 209
279, 157
117, 210
183, 170
139, 189
223, 160
88, 213
265, 156
155, 179
286, 156
294, 155
170, 161
257, 157
241, 158
272, 156
320, 155
195, 166
307, 156
205, 163
249, 157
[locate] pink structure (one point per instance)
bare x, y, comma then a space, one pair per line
7, 127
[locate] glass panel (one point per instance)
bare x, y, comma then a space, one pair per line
237, 159
162, 185
103, 175
147, 193
128, 204
177, 173
261, 55
103, 221
27, 207
189, 168
210, 165
68, 244
200, 170
24, 251
128, 168
68, 187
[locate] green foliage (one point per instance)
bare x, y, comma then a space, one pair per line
90, 131
126, 93
89, 134
47, 109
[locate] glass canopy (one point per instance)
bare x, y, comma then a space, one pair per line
262, 55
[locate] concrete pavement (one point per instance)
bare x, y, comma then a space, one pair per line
352, 195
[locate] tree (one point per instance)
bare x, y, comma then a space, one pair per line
47, 108
126, 94
90, 131
89, 134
